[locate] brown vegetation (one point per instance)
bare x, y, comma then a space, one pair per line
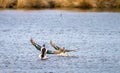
85, 4
118, 3
8, 3
32, 4
106, 3
59, 3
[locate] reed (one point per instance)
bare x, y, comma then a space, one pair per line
106, 3
33, 4
4, 3
73, 3
8, 3
118, 4
59, 3
21, 3
86, 4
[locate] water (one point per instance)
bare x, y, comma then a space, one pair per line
95, 36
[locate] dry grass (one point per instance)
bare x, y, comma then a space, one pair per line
59, 3
35, 4
106, 3
43, 3
4, 3
8, 3
118, 4
73, 3
85, 4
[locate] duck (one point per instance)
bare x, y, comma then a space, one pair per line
61, 50
43, 53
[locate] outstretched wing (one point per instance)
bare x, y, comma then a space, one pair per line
60, 49
69, 50
55, 46
38, 47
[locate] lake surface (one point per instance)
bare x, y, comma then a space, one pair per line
94, 35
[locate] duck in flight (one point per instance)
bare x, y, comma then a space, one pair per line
45, 51
59, 48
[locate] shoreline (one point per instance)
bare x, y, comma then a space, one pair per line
40, 4
69, 9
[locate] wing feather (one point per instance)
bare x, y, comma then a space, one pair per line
54, 46
58, 48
